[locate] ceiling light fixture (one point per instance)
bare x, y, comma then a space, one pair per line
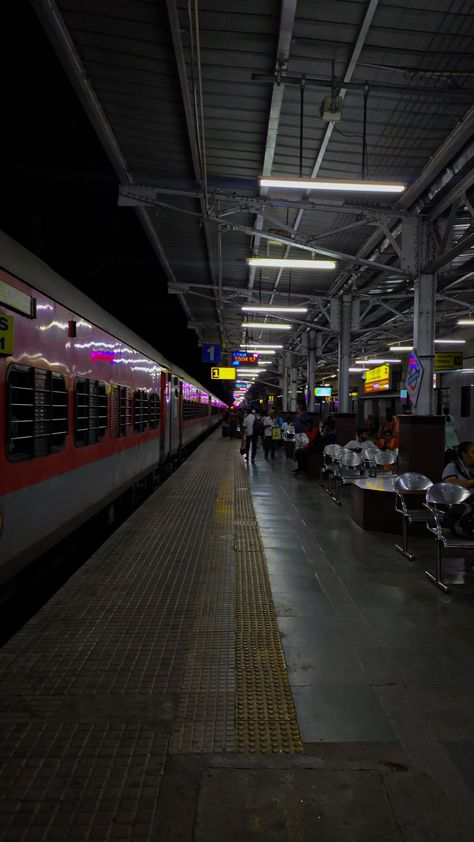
281, 263
401, 348
262, 309
344, 184
266, 325
450, 341
465, 322
356, 369
251, 345
377, 362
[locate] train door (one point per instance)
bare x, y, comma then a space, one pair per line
163, 416
175, 419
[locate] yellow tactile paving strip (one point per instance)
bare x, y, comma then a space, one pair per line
265, 712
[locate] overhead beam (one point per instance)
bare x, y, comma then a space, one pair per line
287, 20
213, 257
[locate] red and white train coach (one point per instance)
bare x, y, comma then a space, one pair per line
87, 408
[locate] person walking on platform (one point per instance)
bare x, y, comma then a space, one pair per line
250, 437
268, 443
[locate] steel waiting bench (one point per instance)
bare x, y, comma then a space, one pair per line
440, 498
405, 485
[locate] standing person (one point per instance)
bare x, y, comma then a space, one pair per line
268, 443
233, 424
299, 420
250, 439
390, 422
451, 438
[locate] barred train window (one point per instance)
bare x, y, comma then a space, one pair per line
154, 411
125, 411
91, 413
140, 415
37, 412
194, 409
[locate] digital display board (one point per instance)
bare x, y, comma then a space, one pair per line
323, 391
377, 379
244, 358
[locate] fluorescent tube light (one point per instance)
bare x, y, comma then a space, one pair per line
267, 325
450, 341
356, 185
354, 370
281, 263
376, 362
401, 348
252, 345
259, 351
465, 321
262, 309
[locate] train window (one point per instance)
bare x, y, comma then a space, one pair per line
125, 410
37, 412
465, 401
194, 409
154, 411
140, 414
91, 412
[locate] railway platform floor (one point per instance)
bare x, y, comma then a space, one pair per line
240, 662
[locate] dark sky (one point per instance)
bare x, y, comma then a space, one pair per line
59, 198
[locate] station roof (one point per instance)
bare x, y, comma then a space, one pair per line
194, 101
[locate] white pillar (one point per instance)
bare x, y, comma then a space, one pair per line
286, 363
311, 368
423, 339
345, 354
417, 257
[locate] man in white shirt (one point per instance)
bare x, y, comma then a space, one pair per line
360, 443
250, 439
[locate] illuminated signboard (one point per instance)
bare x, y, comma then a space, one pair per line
377, 379
222, 373
323, 391
244, 358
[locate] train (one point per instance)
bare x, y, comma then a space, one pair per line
88, 409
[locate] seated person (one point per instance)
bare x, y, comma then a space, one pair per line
302, 454
361, 441
387, 441
461, 470
391, 423
328, 435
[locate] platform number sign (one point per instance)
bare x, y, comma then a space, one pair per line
211, 354
6, 334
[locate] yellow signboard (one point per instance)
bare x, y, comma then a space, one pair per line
223, 373
448, 362
377, 379
6, 334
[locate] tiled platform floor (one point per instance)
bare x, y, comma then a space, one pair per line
118, 706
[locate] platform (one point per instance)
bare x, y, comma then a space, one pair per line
241, 661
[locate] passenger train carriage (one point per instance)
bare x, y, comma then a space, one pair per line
87, 408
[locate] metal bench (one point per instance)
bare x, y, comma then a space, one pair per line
368, 455
440, 498
348, 466
385, 462
406, 484
329, 453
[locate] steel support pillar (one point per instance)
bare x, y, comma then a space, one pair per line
418, 257
286, 364
293, 387
423, 338
311, 368
345, 354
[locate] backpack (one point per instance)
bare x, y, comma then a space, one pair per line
460, 519
258, 427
